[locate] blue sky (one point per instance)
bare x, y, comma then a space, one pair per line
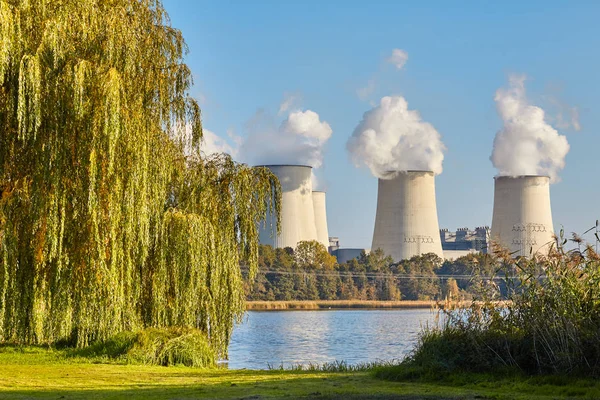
246, 56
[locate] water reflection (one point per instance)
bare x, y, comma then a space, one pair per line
355, 336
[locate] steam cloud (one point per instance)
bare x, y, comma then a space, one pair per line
300, 139
526, 144
288, 102
391, 137
566, 116
365, 92
398, 58
212, 144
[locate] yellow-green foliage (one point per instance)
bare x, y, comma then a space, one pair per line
109, 218
152, 346
167, 347
550, 322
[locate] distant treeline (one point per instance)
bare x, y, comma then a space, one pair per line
309, 272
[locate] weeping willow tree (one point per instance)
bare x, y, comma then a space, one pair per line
110, 220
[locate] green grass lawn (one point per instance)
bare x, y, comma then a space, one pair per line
30, 372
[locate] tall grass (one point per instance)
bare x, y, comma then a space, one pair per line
334, 366
551, 323
169, 346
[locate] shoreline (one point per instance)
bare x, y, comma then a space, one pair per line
308, 305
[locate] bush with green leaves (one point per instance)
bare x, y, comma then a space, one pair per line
166, 347
550, 322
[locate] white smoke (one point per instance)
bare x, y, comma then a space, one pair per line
571, 121
365, 92
527, 144
398, 58
289, 100
300, 139
566, 116
391, 137
212, 144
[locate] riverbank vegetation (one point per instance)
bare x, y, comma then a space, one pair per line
344, 304
551, 325
310, 273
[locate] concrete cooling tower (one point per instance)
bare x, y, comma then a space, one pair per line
522, 218
406, 222
297, 212
319, 206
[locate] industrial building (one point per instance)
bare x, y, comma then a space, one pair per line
343, 255
334, 244
522, 216
303, 212
464, 241
406, 222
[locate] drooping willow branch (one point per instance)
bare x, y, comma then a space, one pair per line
109, 218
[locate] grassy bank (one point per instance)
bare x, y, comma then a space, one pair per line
341, 304
43, 373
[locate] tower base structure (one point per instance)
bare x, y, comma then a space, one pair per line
406, 222
522, 216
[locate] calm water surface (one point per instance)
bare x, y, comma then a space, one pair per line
355, 336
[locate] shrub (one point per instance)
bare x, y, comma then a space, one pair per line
173, 346
550, 323
166, 347
116, 347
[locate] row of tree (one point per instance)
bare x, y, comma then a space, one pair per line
309, 272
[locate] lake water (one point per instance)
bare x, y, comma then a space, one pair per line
301, 337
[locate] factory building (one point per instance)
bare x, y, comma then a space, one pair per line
334, 244
345, 255
522, 216
406, 222
464, 241
303, 212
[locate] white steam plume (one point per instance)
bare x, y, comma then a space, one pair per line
300, 139
526, 144
398, 58
365, 92
212, 144
288, 103
391, 137
567, 117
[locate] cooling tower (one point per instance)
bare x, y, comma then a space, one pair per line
297, 212
319, 206
406, 222
522, 218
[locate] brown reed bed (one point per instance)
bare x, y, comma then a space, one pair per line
343, 304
